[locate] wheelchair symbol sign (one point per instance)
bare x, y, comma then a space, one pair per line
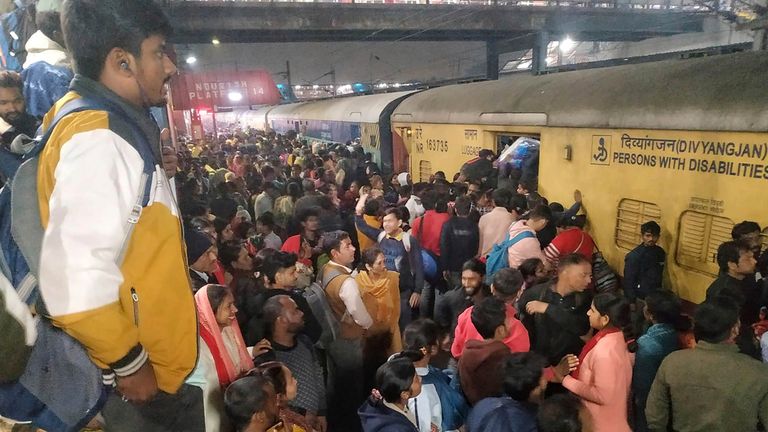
601, 150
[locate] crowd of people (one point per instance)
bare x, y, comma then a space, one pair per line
275, 283
431, 335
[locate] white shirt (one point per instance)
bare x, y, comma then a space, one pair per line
350, 296
202, 275
426, 406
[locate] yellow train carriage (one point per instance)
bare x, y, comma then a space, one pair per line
681, 142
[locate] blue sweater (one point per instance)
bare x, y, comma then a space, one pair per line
502, 414
397, 257
652, 347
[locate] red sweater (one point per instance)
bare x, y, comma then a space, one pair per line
517, 340
430, 238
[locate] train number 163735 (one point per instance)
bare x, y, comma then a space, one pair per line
437, 145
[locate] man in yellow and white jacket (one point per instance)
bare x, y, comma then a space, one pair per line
113, 271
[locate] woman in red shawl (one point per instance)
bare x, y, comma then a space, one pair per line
219, 330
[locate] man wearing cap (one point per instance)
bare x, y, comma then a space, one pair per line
47, 69
201, 256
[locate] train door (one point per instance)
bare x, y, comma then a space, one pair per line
518, 158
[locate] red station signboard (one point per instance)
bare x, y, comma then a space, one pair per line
214, 90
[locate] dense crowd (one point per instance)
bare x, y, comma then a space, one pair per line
471, 306
266, 282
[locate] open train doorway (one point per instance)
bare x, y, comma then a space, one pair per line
518, 160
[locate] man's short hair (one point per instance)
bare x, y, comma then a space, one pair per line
522, 373
650, 227
267, 219
372, 207
308, 185
332, 241
560, 413
518, 203
244, 398
462, 206
277, 262
541, 212
93, 28
484, 153
570, 260
744, 228
714, 320
272, 310
270, 185
11, 79
507, 283
474, 265
502, 197
730, 252
488, 315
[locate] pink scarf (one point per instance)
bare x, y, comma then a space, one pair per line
212, 335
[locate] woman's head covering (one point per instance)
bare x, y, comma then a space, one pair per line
213, 337
402, 178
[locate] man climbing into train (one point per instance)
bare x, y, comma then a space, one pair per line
112, 268
479, 169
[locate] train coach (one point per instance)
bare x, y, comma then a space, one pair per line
681, 142
343, 119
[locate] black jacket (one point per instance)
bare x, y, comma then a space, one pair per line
558, 331
746, 294
377, 417
459, 240
643, 269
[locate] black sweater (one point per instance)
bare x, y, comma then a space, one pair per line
459, 241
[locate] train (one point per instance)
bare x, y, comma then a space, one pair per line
681, 142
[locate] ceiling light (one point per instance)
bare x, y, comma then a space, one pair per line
215, 41
191, 60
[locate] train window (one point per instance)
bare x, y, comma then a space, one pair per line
700, 235
633, 213
764, 238
425, 170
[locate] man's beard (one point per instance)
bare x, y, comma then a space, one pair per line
12, 118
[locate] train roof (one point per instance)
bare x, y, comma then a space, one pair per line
726, 92
366, 109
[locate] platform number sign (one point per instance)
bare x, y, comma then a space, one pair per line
601, 150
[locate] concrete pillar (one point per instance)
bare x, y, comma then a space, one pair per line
492, 59
539, 60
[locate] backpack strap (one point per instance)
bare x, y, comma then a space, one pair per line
519, 237
28, 230
382, 235
26, 224
407, 242
329, 275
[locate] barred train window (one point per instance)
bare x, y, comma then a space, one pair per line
425, 170
631, 215
764, 238
700, 235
